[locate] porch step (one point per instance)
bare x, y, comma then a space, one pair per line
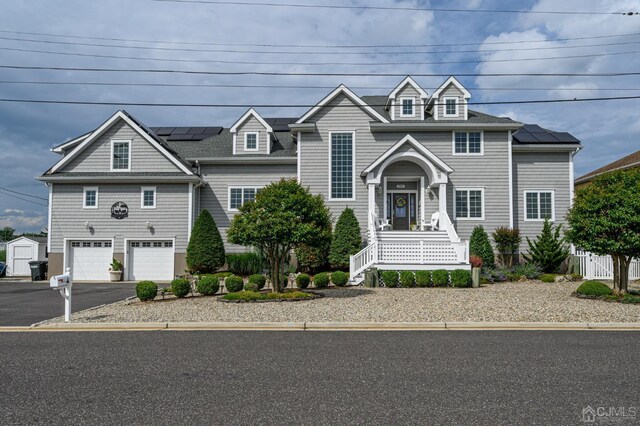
413, 236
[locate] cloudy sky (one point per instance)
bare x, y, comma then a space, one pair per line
148, 34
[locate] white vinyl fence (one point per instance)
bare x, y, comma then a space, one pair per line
594, 267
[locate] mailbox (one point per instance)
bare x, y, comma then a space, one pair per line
60, 281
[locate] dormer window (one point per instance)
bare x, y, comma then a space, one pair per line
120, 155
251, 141
450, 107
407, 107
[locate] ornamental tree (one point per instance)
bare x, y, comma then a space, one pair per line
548, 250
205, 252
605, 220
346, 241
283, 216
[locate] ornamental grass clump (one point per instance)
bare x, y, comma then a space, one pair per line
146, 290
407, 279
245, 263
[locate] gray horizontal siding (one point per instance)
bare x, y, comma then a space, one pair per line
451, 91
169, 219
408, 91
540, 171
214, 196
252, 125
97, 156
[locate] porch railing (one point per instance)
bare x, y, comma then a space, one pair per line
364, 259
447, 225
423, 252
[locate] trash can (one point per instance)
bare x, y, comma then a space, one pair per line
38, 270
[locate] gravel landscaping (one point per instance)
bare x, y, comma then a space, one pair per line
518, 301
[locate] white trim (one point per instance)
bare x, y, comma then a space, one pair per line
416, 191
413, 106
190, 212
299, 153
468, 219
393, 109
50, 220
251, 112
106, 125
129, 142
269, 143
65, 249
403, 83
571, 179
84, 197
353, 164
455, 82
384, 197
444, 106
511, 194
127, 241
257, 148
155, 197
242, 187
235, 141
422, 202
538, 191
342, 89
62, 147
467, 154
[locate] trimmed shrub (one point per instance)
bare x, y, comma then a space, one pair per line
423, 278
479, 245
321, 280
245, 263
346, 241
547, 278
302, 281
205, 252
339, 278
461, 278
208, 285
311, 259
259, 280
440, 278
407, 279
549, 249
594, 288
251, 287
146, 290
180, 287
390, 278
233, 283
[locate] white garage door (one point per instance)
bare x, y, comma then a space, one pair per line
90, 260
22, 255
150, 260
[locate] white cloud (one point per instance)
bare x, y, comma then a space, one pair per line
15, 212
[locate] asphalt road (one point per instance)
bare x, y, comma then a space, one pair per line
225, 377
25, 303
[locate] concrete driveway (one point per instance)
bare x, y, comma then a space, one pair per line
25, 303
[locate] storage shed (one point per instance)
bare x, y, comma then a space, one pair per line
23, 250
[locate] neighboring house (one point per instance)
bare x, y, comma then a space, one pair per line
631, 161
132, 192
23, 250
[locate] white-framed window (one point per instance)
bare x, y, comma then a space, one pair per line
407, 107
342, 166
90, 197
148, 197
120, 155
468, 143
468, 204
240, 195
450, 107
251, 141
539, 205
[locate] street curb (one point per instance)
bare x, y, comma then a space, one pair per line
299, 326
373, 326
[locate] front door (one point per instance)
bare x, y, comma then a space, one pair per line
400, 211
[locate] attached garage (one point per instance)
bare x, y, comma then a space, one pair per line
23, 250
150, 260
89, 260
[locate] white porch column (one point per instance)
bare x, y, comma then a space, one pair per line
422, 197
372, 204
442, 198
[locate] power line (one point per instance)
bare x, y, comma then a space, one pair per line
342, 46
24, 199
160, 104
218, 61
395, 8
317, 74
23, 193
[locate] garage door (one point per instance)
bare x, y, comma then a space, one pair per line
22, 255
150, 260
90, 260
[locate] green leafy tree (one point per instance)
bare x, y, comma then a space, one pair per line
312, 259
507, 242
479, 245
548, 250
605, 220
205, 252
7, 234
283, 216
346, 241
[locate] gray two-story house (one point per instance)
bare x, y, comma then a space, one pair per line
420, 171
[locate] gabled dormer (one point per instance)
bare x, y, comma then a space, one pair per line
449, 101
407, 101
251, 134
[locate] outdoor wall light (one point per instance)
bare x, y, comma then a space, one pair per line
148, 225
87, 225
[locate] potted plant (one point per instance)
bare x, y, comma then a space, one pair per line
476, 266
115, 270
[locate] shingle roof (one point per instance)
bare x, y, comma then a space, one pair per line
631, 160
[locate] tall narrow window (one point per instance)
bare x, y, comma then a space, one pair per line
90, 198
539, 205
251, 141
342, 166
148, 197
120, 155
469, 204
407, 107
450, 107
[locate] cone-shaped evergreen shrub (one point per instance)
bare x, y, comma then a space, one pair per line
205, 252
347, 240
548, 250
479, 245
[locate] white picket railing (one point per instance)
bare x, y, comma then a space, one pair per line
364, 259
423, 252
594, 267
